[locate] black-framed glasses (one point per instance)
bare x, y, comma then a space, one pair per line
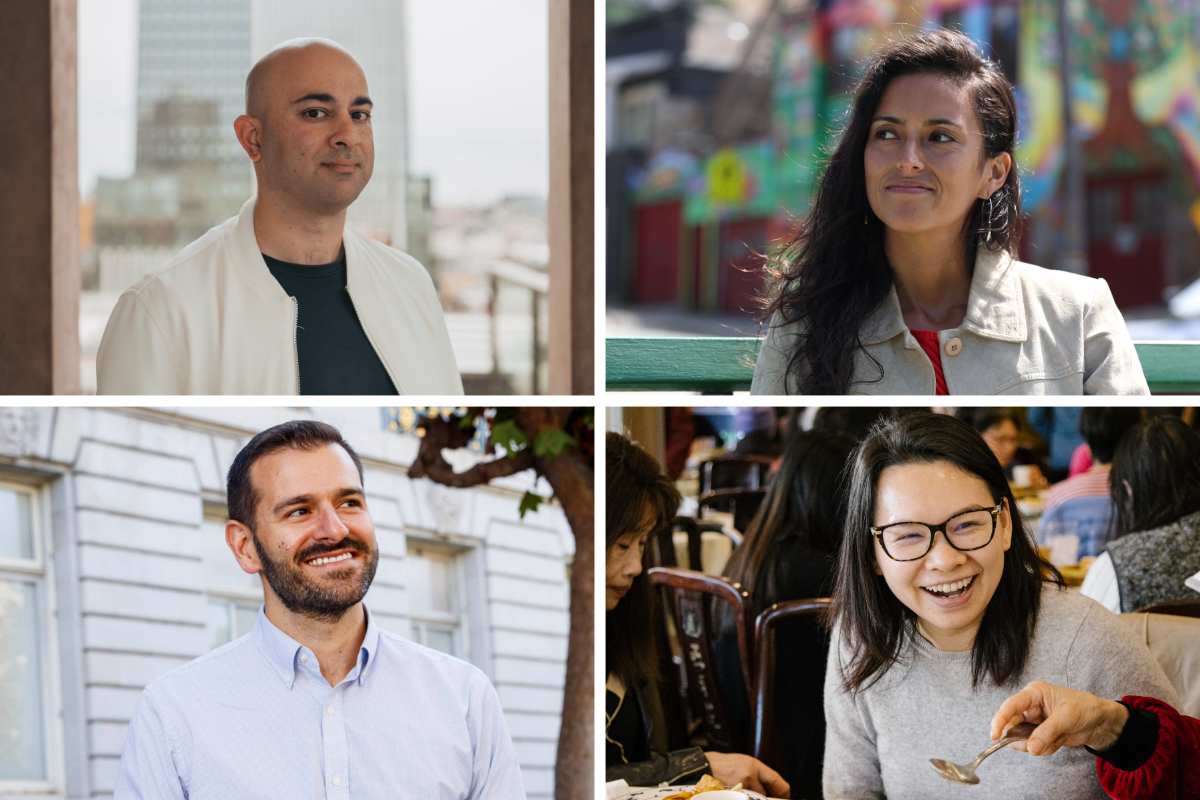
908, 541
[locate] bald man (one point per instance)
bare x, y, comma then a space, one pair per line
282, 299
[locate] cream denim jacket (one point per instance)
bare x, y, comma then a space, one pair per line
1027, 331
213, 320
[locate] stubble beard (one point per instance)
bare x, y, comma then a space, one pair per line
317, 600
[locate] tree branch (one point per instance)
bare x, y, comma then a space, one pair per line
442, 435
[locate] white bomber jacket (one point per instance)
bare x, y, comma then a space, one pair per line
213, 320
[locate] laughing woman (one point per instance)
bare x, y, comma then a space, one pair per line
903, 278
942, 611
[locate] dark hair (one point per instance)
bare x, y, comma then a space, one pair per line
635, 486
985, 418
835, 273
1102, 429
873, 620
300, 434
804, 507
1159, 458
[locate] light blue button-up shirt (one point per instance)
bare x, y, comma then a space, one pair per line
256, 719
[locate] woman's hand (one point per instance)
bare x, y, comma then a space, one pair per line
1065, 718
734, 768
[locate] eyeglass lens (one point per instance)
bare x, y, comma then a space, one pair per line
909, 540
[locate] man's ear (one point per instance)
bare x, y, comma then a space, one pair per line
237, 536
249, 135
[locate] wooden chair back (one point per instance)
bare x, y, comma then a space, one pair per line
660, 547
734, 472
742, 503
1176, 608
689, 597
767, 747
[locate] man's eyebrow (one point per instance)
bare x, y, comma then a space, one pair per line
325, 97
937, 121
303, 499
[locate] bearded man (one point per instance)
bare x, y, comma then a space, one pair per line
282, 299
317, 700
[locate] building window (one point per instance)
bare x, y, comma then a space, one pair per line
437, 598
234, 596
25, 726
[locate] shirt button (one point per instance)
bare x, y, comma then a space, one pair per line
953, 346
337, 781
304, 657
328, 709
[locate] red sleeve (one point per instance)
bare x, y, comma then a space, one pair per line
1172, 773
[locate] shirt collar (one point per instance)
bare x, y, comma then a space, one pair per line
282, 651
995, 308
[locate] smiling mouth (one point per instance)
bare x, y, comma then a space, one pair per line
324, 560
951, 589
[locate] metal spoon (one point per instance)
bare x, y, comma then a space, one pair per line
965, 773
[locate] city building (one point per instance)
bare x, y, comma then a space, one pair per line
114, 571
190, 172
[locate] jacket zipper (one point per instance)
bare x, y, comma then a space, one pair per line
371, 342
296, 338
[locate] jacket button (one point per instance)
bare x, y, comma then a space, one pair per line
953, 346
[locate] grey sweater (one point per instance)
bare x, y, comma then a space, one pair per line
924, 707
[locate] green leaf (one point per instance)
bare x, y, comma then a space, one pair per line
508, 435
552, 441
530, 502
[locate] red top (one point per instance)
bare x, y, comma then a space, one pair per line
929, 343
1173, 771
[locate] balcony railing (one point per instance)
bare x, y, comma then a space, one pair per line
722, 365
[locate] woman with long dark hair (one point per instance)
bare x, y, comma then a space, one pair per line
942, 609
641, 500
903, 278
789, 552
1155, 485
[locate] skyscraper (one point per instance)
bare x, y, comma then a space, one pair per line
190, 172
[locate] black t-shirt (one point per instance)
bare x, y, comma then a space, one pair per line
335, 355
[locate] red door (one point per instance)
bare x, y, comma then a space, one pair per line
743, 244
1125, 237
656, 264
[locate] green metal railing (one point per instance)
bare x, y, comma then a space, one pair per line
721, 365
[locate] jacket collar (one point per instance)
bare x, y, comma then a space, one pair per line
995, 308
249, 260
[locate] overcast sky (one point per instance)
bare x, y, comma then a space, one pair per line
477, 95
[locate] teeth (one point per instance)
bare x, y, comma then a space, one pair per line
946, 588
342, 557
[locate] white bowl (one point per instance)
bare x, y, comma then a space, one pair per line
723, 794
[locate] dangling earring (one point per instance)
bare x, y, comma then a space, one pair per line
989, 225
866, 220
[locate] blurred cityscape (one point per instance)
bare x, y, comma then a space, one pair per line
489, 262
719, 113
